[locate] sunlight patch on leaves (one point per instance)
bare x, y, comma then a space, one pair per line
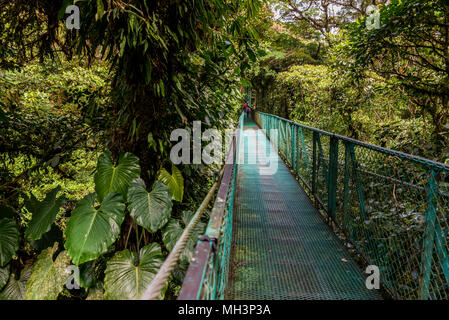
47, 276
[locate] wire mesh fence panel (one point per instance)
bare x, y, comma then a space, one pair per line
321, 164
384, 215
304, 155
436, 280
392, 207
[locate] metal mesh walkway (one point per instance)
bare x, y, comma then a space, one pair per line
281, 246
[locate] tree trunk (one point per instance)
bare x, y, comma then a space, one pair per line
147, 120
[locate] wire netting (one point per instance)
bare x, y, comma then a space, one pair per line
392, 207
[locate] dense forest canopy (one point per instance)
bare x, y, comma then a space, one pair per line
382, 85
86, 115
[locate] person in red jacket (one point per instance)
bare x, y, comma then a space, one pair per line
246, 109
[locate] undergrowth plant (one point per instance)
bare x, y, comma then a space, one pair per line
114, 241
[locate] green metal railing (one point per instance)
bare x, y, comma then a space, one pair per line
207, 275
391, 206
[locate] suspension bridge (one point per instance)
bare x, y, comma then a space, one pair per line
308, 229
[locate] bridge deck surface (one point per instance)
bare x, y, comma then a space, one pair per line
281, 246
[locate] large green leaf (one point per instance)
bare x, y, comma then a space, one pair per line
149, 210
110, 178
4, 275
171, 233
91, 231
48, 239
186, 216
173, 230
44, 214
87, 277
9, 240
15, 289
47, 276
128, 274
179, 271
174, 182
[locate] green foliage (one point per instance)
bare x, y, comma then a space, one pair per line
57, 114
43, 132
48, 239
413, 55
87, 274
4, 275
95, 294
9, 240
174, 182
6, 212
173, 230
110, 178
44, 214
45, 144
322, 17
386, 86
308, 89
171, 233
149, 210
347, 88
15, 288
47, 276
128, 273
91, 231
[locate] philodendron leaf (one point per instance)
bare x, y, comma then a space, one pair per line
110, 178
171, 233
91, 231
4, 275
186, 216
179, 271
128, 274
87, 278
149, 210
47, 276
48, 239
44, 215
174, 182
9, 240
15, 289
173, 230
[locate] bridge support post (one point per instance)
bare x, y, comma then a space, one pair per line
333, 174
346, 191
293, 140
314, 163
